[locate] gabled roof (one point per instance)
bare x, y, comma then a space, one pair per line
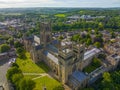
38, 47
80, 76
91, 53
51, 56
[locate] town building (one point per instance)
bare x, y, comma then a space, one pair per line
65, 58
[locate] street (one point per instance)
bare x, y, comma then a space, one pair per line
3, 70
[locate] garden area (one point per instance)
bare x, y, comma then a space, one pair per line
28, 66
49, 83
94, 65
34, 76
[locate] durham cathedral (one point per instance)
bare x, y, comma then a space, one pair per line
65, 58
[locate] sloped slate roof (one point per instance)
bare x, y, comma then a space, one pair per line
91, 53
51, 56
80, 76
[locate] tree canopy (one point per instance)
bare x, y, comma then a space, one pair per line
4, 48
26, 84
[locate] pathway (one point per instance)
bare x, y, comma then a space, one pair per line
39, 75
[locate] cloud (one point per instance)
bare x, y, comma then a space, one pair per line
59, 3
11, 1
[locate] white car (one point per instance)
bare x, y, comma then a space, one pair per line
12, 61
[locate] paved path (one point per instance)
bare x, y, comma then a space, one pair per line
3, 70
39, 75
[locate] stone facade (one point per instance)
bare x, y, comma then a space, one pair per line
66, 59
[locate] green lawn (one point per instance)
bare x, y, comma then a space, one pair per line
31, 76
50, 83
60, 15
27, 65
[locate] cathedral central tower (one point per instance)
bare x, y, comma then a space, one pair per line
45, 33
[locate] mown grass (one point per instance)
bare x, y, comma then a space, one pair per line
60, 15
49, 83
31, 76
28, 66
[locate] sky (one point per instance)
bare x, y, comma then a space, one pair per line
59, 3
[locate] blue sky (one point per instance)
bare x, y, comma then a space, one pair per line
59, 3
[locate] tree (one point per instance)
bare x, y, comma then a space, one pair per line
100, 26
96, 62
89, 42
97, 44
60, 37
17, 44
116, 76
26, 84
112, 35
15, 65
11, 72
4, 48
16, 79
76, 38
88, 36
21, 52
107, 82
10, 41
107, 77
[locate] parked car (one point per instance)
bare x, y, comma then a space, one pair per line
11, 61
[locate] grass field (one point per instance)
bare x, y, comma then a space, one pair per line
60, 15
50, 83
31, 76
27, 65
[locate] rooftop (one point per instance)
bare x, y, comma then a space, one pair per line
80, 76
52, 48
1, 54
66, 50
91, 53
51, 56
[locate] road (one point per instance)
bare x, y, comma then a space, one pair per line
3, 70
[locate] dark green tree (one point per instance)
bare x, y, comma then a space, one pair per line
88, 42
97, 44
4, 48
112, 34
17, 44
26, 84
10, 41
21, 52
11, 72
16, 79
